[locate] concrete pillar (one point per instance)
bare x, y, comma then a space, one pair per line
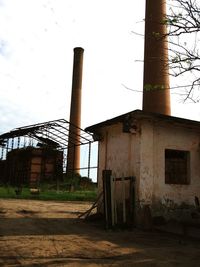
156, 93
73, 153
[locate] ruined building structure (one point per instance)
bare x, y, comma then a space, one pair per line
160, 151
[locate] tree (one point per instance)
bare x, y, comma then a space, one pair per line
183, 21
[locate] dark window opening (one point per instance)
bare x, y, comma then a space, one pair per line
176, 166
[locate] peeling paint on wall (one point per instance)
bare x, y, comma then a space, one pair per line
142, 154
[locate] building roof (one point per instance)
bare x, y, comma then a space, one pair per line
140, 114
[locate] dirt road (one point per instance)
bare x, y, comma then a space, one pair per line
38, 233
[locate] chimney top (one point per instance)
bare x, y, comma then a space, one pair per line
78, 49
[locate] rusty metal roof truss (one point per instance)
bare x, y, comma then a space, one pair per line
53, 133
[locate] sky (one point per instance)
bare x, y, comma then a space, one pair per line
37, 38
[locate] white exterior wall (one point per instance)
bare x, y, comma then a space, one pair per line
116, 152
155, 138
142, 155
180, 138
146, 164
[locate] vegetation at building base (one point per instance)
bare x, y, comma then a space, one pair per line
75, 188
86, 195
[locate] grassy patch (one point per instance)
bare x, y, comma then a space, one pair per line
83, 195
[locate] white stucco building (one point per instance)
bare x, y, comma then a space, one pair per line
162, 153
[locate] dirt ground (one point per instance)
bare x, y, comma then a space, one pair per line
44, 233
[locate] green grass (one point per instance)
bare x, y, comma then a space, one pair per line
82, 195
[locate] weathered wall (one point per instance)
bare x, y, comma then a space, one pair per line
116, 152
146, 160
33, 165
179, 138
152, 189
142, 154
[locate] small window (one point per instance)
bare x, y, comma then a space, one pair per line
176, 166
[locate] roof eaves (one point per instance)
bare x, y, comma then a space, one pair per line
139, 114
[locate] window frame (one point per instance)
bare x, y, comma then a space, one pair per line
177, 160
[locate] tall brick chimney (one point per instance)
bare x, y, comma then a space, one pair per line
156, 93
73, 153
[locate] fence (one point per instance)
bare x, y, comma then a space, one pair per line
119, 200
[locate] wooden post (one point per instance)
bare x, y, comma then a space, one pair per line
114, 201
107, 197
112, 182
123, 200
132, 201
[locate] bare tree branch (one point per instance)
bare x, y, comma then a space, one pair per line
183, 22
